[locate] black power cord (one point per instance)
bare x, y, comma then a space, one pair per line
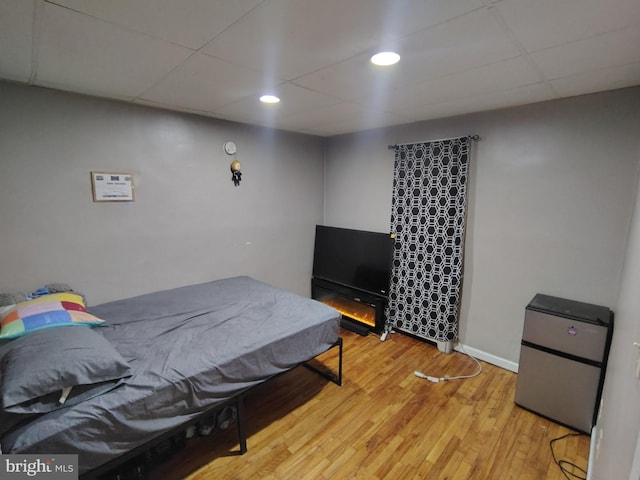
564, 465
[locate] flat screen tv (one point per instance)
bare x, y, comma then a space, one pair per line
355, 258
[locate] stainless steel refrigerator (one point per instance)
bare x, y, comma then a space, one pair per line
563, 358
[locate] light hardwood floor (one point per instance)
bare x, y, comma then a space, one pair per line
384, 423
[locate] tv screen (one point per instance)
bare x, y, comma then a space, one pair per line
356, 258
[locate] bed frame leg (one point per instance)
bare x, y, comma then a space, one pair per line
242, 433
337, 379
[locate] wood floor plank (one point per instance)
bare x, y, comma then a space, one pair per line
384, 423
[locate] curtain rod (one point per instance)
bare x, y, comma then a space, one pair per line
392, 147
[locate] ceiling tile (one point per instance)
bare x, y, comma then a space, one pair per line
80, 53
541, 24
336, 118
351, 79
460, 44
16, 20
296, 37
293, 100
538, 92
505, 75
169, 107
205, 83
191, 23
607, 50
598, 80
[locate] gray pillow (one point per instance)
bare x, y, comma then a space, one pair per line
37, 367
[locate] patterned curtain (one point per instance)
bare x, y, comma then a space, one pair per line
428, 219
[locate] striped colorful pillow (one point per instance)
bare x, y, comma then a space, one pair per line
47, 311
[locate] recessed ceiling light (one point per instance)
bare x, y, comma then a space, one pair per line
269, 99
385, 58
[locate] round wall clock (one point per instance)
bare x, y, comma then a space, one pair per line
230, 148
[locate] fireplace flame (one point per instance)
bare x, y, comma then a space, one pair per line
354, 310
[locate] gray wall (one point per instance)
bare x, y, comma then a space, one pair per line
550, 201
619, 423
188, 223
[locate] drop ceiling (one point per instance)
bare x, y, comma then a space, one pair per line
216, 57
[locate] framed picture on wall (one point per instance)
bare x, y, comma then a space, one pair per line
112, 187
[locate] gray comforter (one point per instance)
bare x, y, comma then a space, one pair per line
188, 349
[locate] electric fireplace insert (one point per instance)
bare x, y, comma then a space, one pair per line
351, 272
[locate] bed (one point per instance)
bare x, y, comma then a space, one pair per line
152, 365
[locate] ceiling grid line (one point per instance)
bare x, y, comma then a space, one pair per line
523, 51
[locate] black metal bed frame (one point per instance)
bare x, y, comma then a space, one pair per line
110, 469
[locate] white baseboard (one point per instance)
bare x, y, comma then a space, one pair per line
474, 352
592, 450
487, 357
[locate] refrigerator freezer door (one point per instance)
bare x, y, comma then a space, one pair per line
558, 388
581, 339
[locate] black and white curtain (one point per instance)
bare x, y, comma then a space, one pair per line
428, 219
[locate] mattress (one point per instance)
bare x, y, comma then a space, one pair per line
189, 349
